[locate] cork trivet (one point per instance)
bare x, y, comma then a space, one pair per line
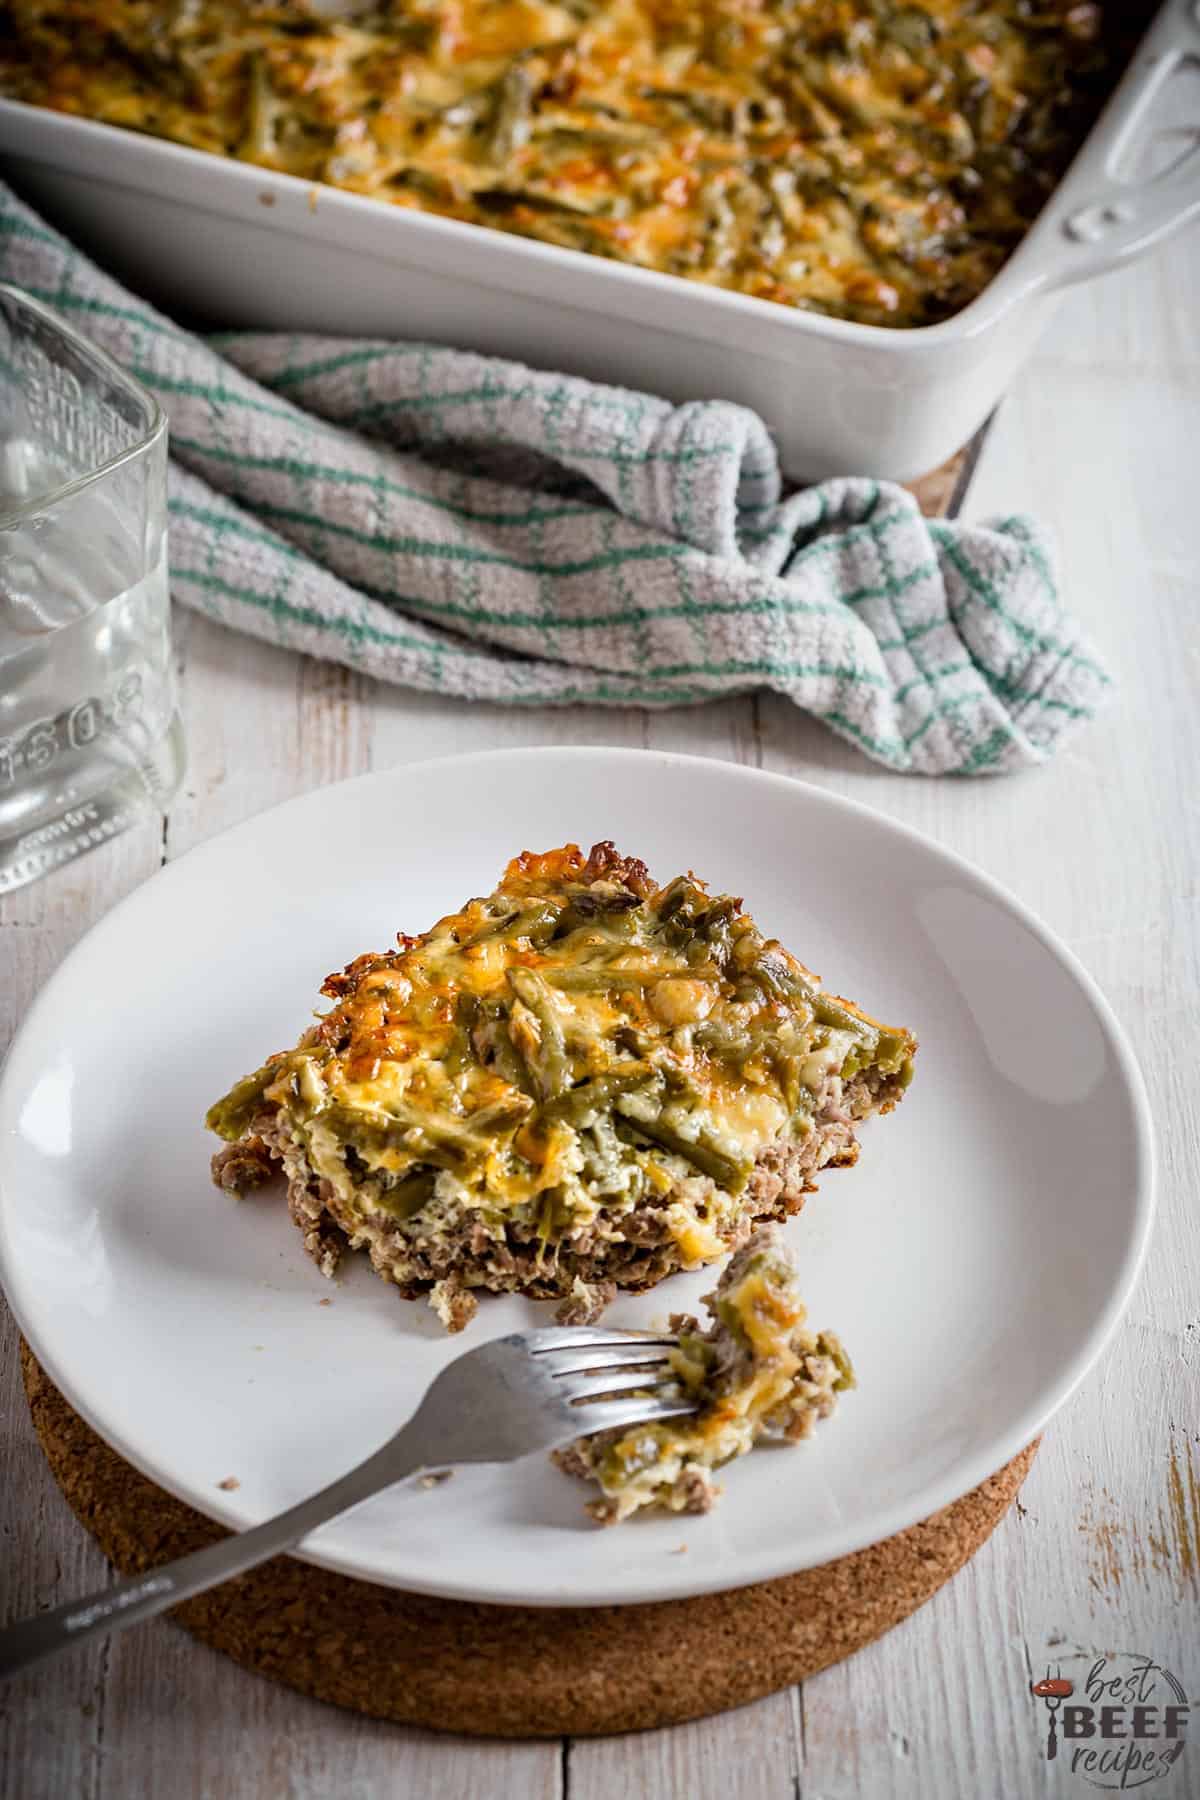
511, 1671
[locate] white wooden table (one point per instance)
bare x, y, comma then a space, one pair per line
1101, 435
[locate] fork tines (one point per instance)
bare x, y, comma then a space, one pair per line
593, 1337
629, 1371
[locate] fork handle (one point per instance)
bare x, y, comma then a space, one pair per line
143, 1596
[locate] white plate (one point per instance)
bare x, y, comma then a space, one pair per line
974, 1262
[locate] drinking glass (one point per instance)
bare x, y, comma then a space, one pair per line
90, 735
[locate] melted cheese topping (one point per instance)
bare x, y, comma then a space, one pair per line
871, 159
572, 1043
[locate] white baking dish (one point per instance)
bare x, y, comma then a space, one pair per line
222, 240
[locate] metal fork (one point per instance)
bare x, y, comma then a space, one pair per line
532, 1391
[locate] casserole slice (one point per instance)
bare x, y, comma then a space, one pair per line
579, 1083
757, 1372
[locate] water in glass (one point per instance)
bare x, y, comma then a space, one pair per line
90, 737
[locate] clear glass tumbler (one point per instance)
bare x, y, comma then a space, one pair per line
90, 736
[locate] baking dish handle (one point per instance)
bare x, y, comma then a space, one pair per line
1099, 218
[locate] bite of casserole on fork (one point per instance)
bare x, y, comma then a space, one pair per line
757, 1372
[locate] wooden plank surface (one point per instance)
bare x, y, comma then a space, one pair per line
1099, 436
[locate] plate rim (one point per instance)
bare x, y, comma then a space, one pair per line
673, 1583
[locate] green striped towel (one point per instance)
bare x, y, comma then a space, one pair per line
473, 528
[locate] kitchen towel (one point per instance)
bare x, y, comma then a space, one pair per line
478, 529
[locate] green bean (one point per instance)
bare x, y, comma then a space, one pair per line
458, 1057
693, 1362
436, 1138
605, 110
803, 1111
598, 1094
536, 922
588, 206
728, 1042
677, 895
263, 113
771, 977
591, 134
590, 945
553, 1217
855, 1060
822, 118
893, 1054
586, 906
683, 1088
831, 1012
787, 1074
510, 1109
706, 109
552, 1066
778, 979
513, 107
460, 1054
230, 1117
830, 96
721, 910
540, 924
700, 926
729, 1172
507, 1060
408, 1195
722, 241
431, 1142
600, 980
420, 181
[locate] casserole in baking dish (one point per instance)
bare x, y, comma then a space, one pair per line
224, 239
866, 159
